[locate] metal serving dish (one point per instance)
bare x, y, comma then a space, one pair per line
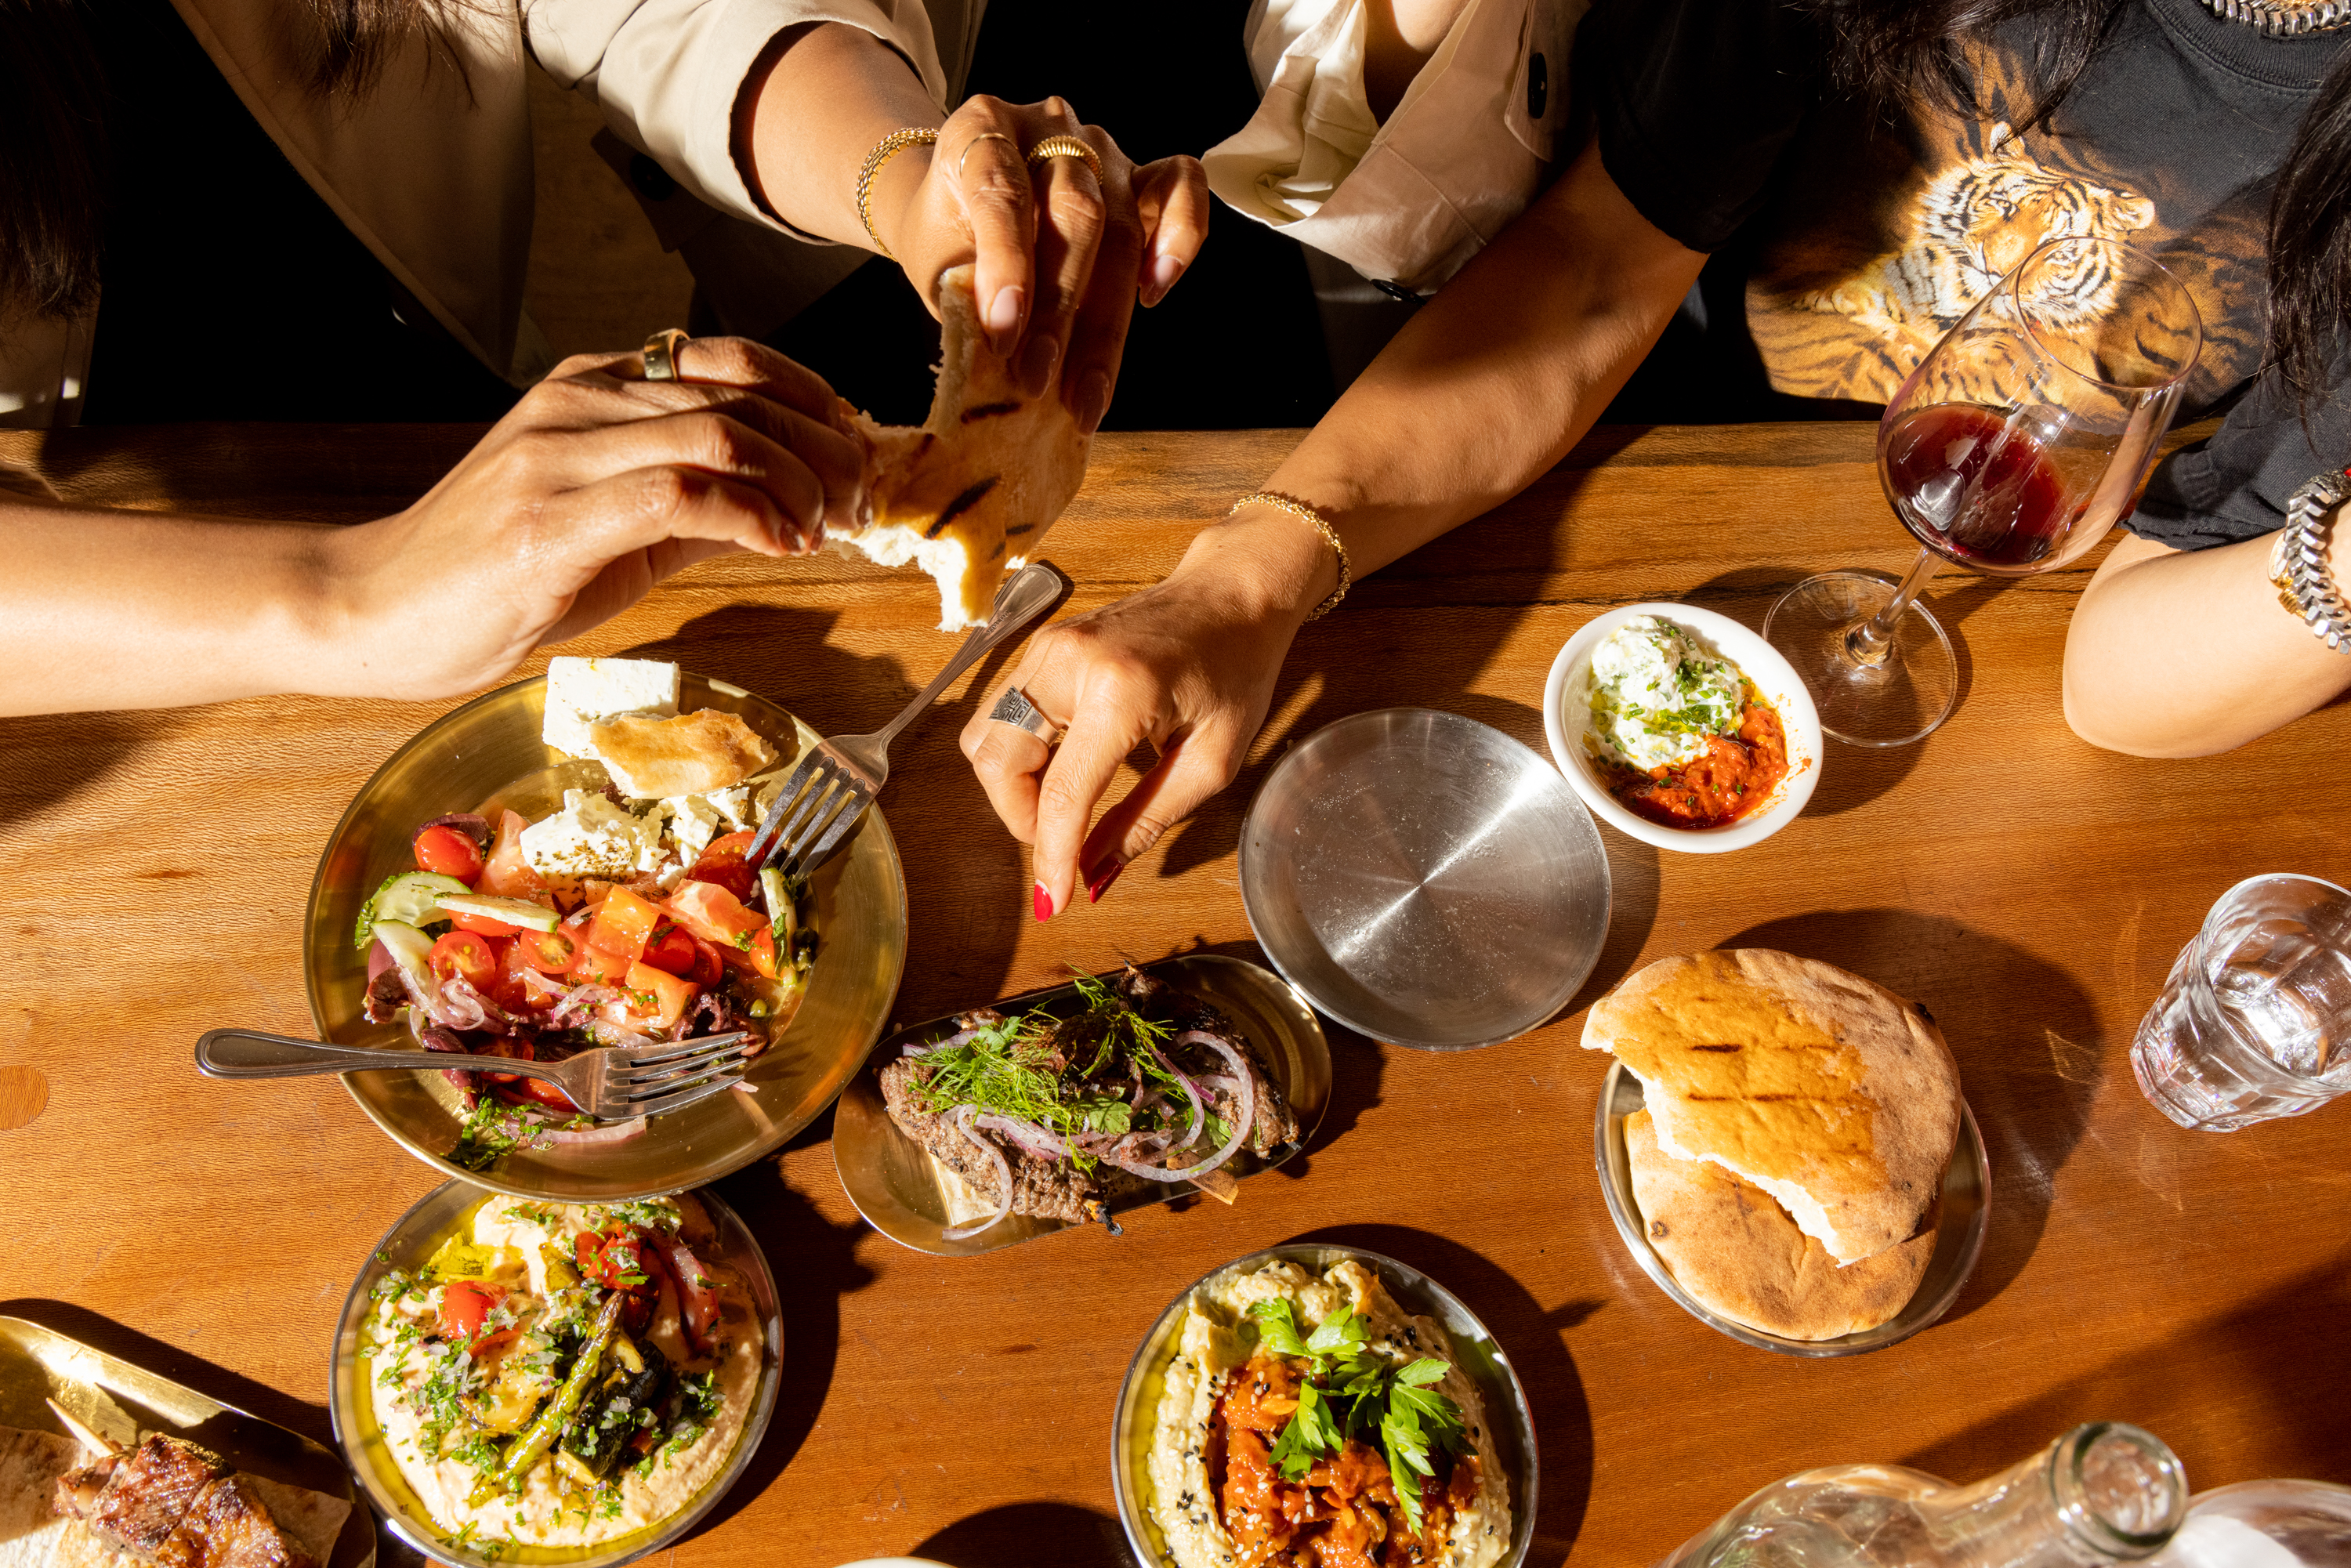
888, 1176
1425, 880
1958, 1235
1480, 1355
487, 756
408, 1244
120, 1401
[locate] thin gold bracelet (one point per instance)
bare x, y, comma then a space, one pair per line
889, 147
1298, 508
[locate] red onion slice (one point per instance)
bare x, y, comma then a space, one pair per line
577, 1137
947, 1044
1191, 1095
1040, 1141
1244, 1117
473, 825
961, 1118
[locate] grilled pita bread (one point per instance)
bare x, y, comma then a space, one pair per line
1741, 1257
654, 758
1827, 1090
968, 494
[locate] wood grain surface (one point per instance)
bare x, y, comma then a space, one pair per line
2032, 892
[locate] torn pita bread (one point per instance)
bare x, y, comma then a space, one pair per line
1827, 1090
30, 1464
968, 494
1741, 1257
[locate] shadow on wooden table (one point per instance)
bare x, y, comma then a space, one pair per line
2249, 1394
169, 1361
818, 1261
2022, 1032
1531, 1333
1026, 1534
47, 758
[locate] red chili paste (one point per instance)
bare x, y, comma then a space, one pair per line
1731, 778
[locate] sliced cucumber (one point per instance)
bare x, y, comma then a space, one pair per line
407, 898
411, 949
520, 911
783, 918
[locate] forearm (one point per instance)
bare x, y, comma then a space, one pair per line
2184, 655
1483, 391
120, 609
819, 99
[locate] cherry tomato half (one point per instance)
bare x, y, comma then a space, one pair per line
463, 1305
464, 954
722, 864
482, 925
546, 1093
549, 952
450, 853
671, 950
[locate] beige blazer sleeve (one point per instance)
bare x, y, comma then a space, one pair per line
665, 74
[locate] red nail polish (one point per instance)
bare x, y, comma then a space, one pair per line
1044, 902
1100, 884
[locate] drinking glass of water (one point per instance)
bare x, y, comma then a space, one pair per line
2255, 1021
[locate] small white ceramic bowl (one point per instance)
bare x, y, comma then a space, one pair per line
1567, 719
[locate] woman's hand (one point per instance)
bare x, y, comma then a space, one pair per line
1060, 256
597, 486
1188, 664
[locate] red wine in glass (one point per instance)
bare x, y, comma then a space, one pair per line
1973, 486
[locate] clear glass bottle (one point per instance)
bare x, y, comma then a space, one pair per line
2264, 1525
2103, 1493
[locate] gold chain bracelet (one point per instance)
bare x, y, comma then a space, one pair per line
1321, 525
889, 147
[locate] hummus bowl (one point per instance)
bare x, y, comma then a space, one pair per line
412, 1242
1508, 1424
1567, 724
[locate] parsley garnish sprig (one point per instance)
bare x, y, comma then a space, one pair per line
1345, 1390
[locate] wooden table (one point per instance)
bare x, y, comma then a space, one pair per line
2031, 890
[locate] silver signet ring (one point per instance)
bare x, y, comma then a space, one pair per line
1013, 707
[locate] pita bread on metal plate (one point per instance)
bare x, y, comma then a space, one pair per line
311, 1520
30, 1464
1827, 1090
968, 494
1739, 1256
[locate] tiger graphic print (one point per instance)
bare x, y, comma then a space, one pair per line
1968, 227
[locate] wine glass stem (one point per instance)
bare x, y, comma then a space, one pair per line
1870, 643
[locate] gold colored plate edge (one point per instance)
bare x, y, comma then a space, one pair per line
866, 1141
406, 1246
163, 1405
530, 1178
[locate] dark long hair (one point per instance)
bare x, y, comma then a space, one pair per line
53, 144
1903, 52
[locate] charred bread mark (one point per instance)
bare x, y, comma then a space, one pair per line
990, 411
1017, 530
960, 505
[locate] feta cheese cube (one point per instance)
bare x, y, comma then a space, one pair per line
582, 692
693, 823
592, 837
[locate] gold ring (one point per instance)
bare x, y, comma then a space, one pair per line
1066, 147
982, 136
662, 351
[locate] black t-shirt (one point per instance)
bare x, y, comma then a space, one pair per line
1236, 345
229, 289
1843, 248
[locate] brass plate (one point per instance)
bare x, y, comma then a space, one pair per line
408, 1245
1959, 1234
488, 753
118, 1400
1479, 1353
888, 1176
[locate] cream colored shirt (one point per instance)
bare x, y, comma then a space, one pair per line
1409, 201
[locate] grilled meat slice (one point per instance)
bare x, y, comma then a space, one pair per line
144, 1494
230, 1527
1049, 1189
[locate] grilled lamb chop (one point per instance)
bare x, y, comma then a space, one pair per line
179, 1506
139, 1498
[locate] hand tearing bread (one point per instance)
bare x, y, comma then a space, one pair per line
968, 494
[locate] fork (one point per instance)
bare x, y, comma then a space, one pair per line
612, 1080
829, 791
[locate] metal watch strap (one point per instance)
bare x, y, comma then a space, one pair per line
2308, 574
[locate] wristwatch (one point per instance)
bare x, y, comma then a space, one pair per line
2298, 561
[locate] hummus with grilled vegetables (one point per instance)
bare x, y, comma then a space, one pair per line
563, 1374
1294, 1404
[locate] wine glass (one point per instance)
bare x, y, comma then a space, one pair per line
2017, 444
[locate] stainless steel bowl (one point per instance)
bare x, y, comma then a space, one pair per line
1480, 1355
488, 754
408, 1245
1959, 1236
1424, 879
